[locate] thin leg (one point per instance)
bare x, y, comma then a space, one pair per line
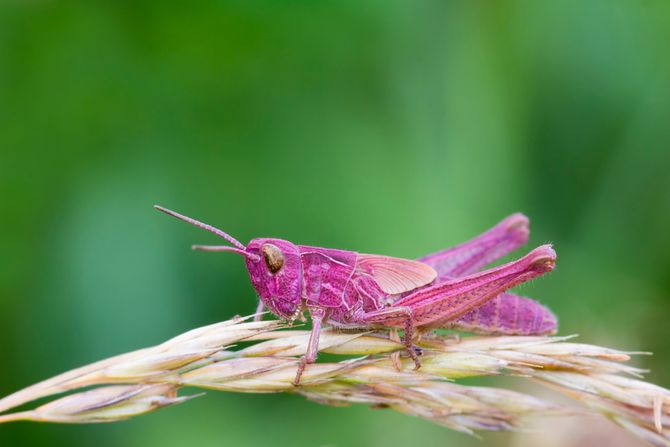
409, 334
317, 314
259, 311
395, 357
400, 313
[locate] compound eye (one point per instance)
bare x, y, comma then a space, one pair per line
273, 256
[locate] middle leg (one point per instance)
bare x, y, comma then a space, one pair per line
402, 313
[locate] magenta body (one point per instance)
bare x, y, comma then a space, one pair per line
333, 280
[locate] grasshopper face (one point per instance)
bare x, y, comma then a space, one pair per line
275, 269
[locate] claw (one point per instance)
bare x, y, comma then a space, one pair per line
415, 352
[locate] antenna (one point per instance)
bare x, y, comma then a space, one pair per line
204, 226
246, 254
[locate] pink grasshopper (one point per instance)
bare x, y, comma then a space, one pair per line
442, 290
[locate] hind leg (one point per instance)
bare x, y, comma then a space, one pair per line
469, 257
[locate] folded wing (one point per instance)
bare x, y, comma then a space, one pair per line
395, 275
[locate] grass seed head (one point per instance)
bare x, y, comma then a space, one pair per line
138, 382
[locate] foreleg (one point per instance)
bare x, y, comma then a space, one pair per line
259, 311
318, 314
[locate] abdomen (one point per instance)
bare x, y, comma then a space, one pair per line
506, 314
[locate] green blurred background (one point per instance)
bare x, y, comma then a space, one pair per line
388, 127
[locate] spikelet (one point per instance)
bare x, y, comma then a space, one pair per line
141, 381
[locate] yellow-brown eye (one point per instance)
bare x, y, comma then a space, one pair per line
273, 256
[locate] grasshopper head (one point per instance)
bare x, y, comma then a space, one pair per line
276, 273
274, 266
